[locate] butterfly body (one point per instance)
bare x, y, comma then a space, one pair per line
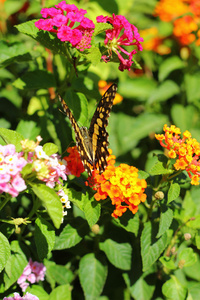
92, 143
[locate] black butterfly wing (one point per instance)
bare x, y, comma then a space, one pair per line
80, 139
97, 130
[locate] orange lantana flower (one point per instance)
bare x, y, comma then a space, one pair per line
121, 184
186, 150
74, 163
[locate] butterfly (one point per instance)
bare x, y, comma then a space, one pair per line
92, 143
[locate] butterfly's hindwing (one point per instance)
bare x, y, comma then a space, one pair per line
92, 144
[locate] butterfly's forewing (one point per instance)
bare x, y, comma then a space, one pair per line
92, 144
97, 130
79, 137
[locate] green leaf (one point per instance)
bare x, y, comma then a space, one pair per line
61, 292
168, 262
4, 251
29, 129
174, 192
38, 79
165, 220
185, 117
92, 274
100, 27
192, 87
51, 202
92, 210
168, 65
129, 223
122, 139
44, 237
12, 53
12, 137
72, 234
118, 254
188, 257
173, 289
38, 291
78, 104
195, 222
158, 166
58, 273
50, 148
93, 55
151, 248
165, 91
15, 264
47, 39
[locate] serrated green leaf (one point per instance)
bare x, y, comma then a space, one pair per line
92, 209
15, 264
165, 91
13, 52
159, 166
151, 251
118, 254
72, 234
4, 251
51, 202
38, 79
192, 87
173, 289
93, 55
29, 129
61, 292
38, 291
130, 224
195, 222
185, 117
92, 274
188, 257
168, 65
165, 220
100, 27
174, 192
50, 148
44, 237
45, 38
12, 137
168, 262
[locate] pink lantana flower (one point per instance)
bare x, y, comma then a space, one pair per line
63, 21
11, 164
32, 273
17, 296
122, 34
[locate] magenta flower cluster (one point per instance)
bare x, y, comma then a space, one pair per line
17, 296
122, 34
32, 273
11, 164
63, 21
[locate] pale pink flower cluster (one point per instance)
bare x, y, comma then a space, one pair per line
122, 34
48, 168
63, 21
17, 296
32, 273
11, 164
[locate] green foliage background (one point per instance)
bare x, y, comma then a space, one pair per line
127, 258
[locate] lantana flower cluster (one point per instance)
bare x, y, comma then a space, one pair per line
11, 164
63, 19
121, 184
17, 296
74, 164
33, 272
49, 169
185, 15
185, 150
122, 34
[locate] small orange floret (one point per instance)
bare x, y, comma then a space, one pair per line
74, 163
